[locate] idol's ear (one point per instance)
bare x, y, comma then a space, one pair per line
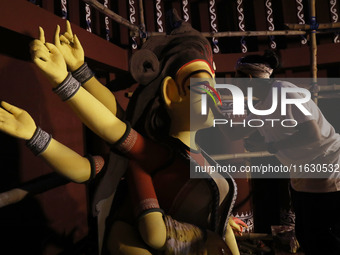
170, 91
144, 66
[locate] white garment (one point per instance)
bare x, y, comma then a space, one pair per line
325, 151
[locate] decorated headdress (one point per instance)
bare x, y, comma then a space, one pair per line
162, 56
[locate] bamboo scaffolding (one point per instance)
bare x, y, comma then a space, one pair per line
135, 30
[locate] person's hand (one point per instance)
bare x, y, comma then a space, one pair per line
49, 59
70, 47
215, 245
253, 144
237, 225
16, 122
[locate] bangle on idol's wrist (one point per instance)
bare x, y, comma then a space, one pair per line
39, 141
68, 88
83, 73
271, 148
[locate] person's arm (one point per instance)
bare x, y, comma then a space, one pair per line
18, 123
73, 53
307, 133
233, 133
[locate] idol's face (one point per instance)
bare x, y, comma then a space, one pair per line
198, 80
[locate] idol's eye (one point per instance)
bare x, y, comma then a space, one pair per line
201, 87
204, 87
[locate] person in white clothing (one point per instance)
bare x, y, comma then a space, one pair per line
307, 142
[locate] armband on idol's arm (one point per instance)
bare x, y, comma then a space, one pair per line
83, 73
68, 88
97, 164
39, 141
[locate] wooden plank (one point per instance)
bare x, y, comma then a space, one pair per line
96, 48
73, 12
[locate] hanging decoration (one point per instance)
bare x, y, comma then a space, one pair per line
335, 18
185, 10
133, 20
159, 16
301, 18
107, 22
63, 9
213, 25
88, 18
270, 22
241, 24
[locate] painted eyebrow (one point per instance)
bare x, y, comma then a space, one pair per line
197, 71
188, 76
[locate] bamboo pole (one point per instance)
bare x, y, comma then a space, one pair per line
101, 8
12, 196
327, 88
321, 26
33, 187
142, 20
252, 33
257, 154
329, 96
241, 33
253, 236
313, 52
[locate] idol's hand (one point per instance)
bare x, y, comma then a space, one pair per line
215, 245
237, 225
16, 122
49, 59
70, 47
